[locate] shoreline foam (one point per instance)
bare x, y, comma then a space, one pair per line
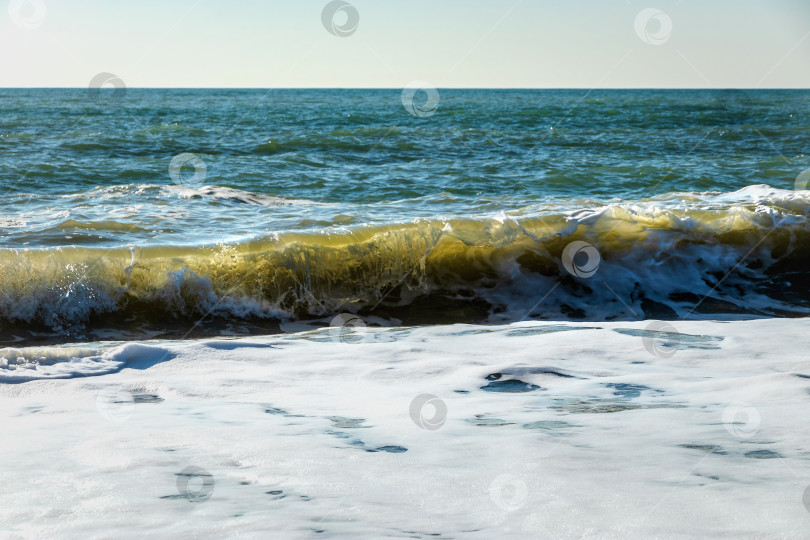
309, 432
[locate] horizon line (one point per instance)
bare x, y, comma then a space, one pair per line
400, 88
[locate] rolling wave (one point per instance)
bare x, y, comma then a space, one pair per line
732, 255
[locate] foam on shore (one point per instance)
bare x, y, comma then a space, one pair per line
525, 430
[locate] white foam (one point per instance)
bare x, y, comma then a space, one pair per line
35, 363
617, 442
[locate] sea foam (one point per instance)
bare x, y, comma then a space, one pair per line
522, 430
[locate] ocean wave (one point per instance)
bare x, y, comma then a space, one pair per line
212, 192
226, 194
739, 255
106, 225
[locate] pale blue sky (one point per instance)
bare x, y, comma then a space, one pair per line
448, 43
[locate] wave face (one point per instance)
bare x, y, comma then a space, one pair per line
741, 254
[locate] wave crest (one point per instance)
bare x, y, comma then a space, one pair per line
746, 258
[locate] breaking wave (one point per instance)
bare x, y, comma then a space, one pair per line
743, 254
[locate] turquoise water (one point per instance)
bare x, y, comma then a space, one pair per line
78, 172
301, 204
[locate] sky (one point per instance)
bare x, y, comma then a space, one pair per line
447, 43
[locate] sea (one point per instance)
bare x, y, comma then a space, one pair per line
330, 313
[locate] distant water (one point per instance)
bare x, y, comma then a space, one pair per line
307, 203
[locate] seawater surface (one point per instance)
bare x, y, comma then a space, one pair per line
307, 203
